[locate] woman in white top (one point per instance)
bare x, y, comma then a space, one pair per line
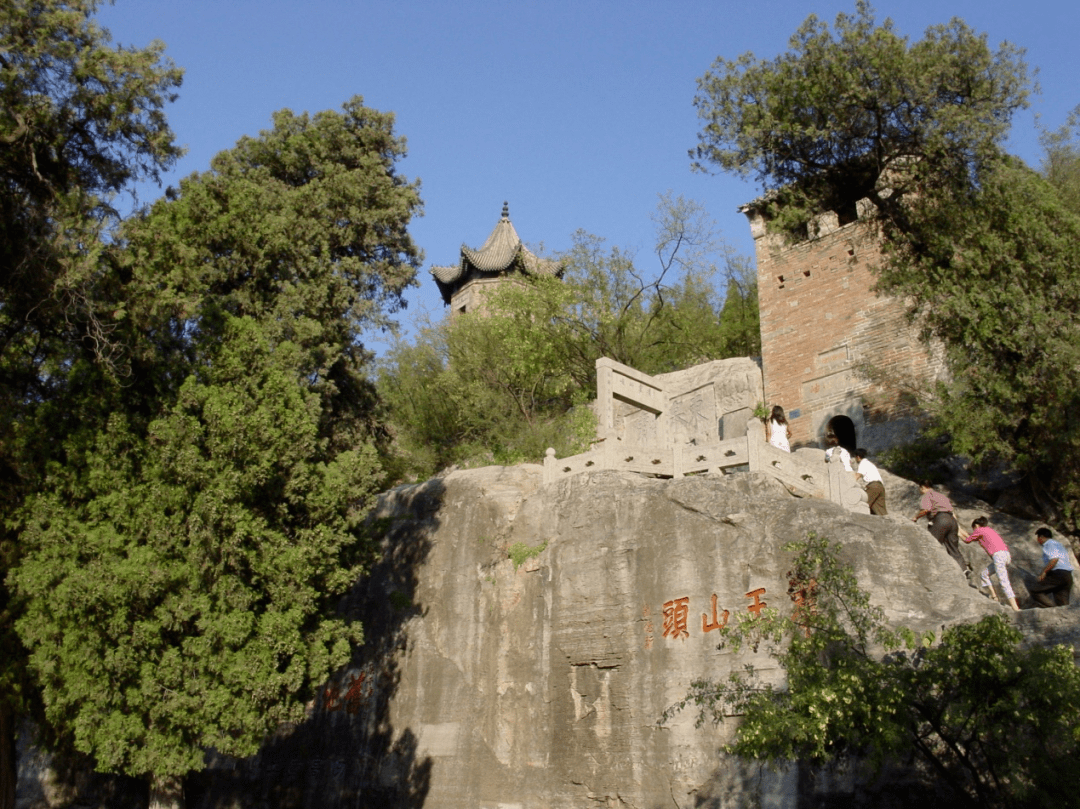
777, 431
845, 456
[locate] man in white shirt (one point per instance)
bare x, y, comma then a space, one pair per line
875, 488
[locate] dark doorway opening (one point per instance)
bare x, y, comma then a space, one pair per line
841, 430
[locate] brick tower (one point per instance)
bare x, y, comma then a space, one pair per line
835, 355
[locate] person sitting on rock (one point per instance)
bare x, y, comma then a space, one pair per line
998, 552
1055, 581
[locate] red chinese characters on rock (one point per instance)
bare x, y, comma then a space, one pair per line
708, 625
352, 696
677, 611
758, 604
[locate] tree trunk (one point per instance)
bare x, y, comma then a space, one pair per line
166, 792
8, 760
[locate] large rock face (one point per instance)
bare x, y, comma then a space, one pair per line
485, 683
494, 685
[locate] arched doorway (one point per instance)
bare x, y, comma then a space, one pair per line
842, 429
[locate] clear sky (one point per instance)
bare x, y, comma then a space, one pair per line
577, 112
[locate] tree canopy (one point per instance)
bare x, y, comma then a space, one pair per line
302, 229
999, 288
1061, 164
974, 241
860, 112
180, 583
505, 386
184, 557
81, 120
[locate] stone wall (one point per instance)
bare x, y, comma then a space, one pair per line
472, 297
708, 402
485, 684
826, 336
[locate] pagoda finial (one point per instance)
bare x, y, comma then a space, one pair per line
506, 210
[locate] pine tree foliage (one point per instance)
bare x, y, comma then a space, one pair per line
302, 229
180, 584
184, 559
1061, 161
859, 112
81, 120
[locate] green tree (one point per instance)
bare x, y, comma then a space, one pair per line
80, 121
303, 229
480, 390
513, 364
999, 288
433, 425
504, 387
986, 721
662, 319
184, 559
180, 584
691, 328
861, 113
1061, 160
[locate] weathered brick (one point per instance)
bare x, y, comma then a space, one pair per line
830, 345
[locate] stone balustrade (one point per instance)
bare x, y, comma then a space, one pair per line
804, 472
681, 424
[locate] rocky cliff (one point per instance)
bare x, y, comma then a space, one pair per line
523, 640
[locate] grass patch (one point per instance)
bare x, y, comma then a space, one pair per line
519, 552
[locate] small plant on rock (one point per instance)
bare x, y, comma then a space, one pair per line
519, 552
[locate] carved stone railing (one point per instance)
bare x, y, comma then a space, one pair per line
669, 461
656, 447
803, 472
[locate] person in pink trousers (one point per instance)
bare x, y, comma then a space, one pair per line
998, 552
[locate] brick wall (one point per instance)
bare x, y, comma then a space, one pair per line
831, 346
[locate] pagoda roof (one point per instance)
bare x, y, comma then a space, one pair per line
503, 252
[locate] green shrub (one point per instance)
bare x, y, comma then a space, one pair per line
519, 552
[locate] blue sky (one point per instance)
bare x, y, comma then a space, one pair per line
578, 113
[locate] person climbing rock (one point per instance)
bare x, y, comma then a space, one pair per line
875, 487
941, 522
1055, 581
998, 552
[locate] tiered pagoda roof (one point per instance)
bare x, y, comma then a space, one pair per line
501, 254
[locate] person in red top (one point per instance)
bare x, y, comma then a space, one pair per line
941, 522
999, 554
